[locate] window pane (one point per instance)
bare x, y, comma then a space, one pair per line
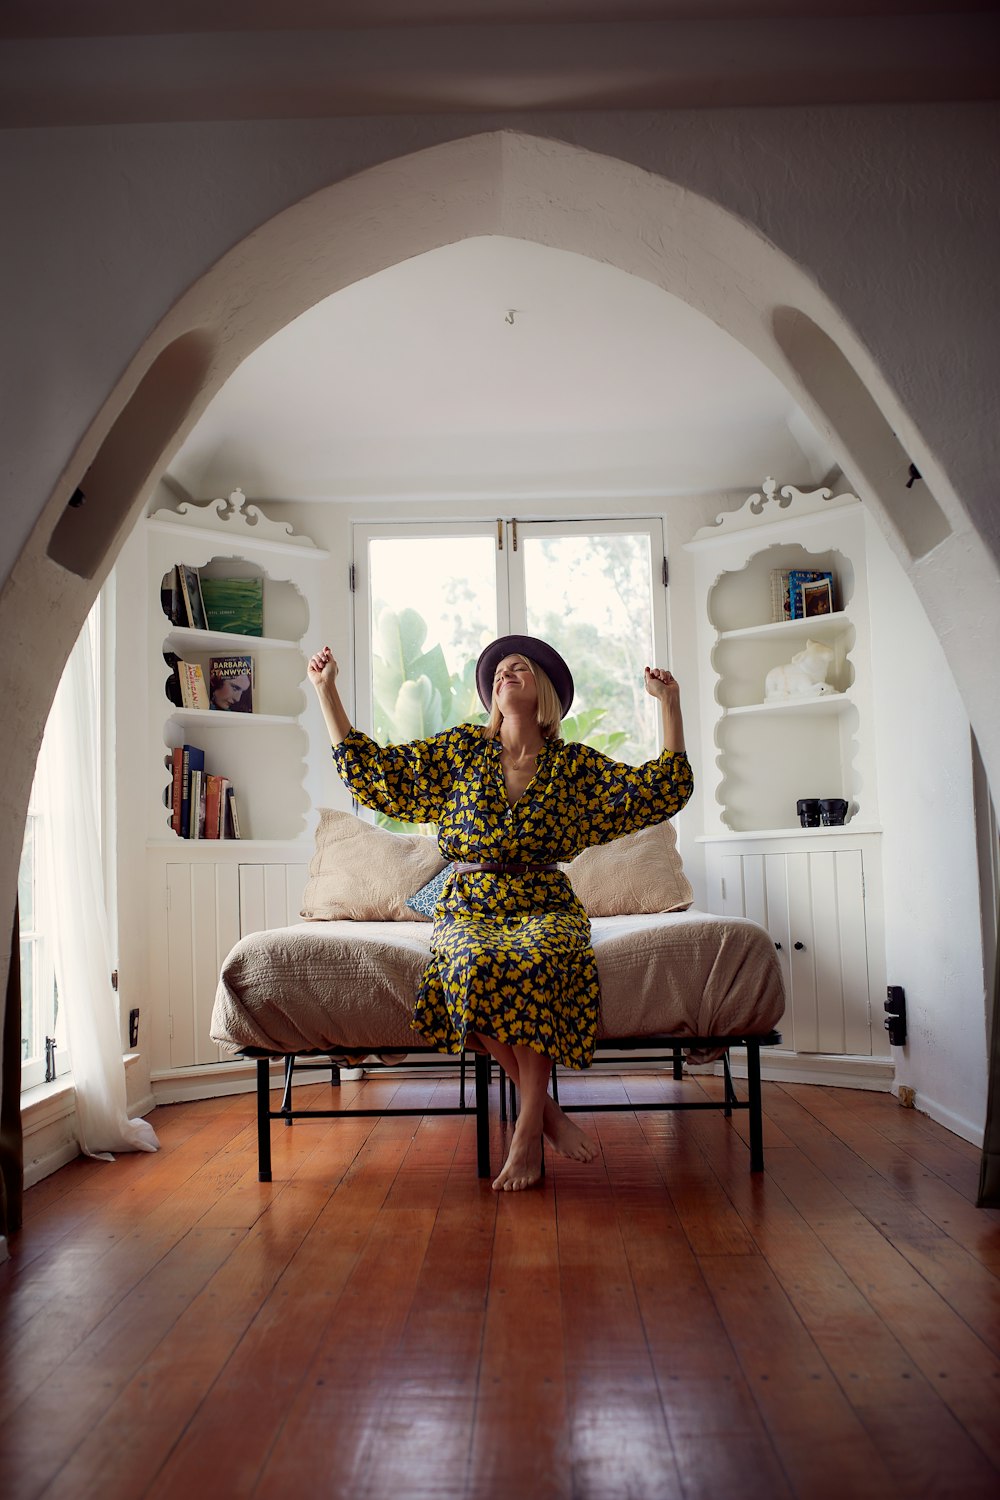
590, 597
433, 611
26, 879
29, 1039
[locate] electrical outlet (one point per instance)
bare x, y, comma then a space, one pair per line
895, 1021
133, 1029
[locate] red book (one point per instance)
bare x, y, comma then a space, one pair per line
177, 762
213, 805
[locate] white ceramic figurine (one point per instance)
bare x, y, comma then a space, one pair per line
804, 676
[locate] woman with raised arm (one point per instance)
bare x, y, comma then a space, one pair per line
511, 962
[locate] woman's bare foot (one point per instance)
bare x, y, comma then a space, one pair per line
565, 1137
523, 1167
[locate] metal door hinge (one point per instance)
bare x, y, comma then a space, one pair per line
499, 533
513, 532
666, 573
353, 580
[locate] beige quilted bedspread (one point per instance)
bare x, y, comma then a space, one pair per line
331, 986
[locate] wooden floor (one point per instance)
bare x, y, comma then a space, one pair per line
377, 1323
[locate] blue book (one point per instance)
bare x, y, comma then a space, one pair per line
194, 760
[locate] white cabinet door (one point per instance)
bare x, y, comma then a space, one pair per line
209, 907
813, 904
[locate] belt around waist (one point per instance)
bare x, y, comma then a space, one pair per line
496, 867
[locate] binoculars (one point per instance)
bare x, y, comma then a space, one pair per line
831, 812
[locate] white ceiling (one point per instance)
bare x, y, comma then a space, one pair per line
413, 383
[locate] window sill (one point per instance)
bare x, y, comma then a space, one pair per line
47, 1102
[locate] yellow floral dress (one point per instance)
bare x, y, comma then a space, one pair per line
510, 953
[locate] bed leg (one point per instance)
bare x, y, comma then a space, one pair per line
286, 1093
678, 1064
727, 1086
756, 1107
334, 1073
263, 1121
461, 1079
482, 1081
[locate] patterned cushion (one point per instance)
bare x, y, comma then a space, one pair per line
426, 899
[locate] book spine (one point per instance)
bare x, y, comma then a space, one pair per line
177, 789
185, 814
213, 789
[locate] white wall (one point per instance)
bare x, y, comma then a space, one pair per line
933, 935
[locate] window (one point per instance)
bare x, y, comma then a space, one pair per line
430, 597
44, 1053
44, 1044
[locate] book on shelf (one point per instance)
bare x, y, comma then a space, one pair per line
780, 601
231, 821
231, 683
194, 604
196, 806
234, 606
215, 807
176, 788
797, 578
171, 598
192, 761
194, 688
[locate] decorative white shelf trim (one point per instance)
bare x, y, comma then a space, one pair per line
852, 829
197, 718
288, 850
181, 638
828, 703
236, 523
816, 628
772, 506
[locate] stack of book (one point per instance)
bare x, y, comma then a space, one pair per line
224, 682
800, 594
234, 606
202, 805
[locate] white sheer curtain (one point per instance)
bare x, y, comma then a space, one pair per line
72, 892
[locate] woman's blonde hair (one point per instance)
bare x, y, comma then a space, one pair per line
548, 708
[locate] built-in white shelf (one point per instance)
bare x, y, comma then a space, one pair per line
199, 718
826, 703
816, 628
181, 638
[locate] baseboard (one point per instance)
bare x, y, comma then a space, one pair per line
873, 1073
50, 1161
957, 1124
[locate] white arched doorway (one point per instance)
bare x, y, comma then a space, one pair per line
501, 184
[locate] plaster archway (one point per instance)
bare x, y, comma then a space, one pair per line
501, 183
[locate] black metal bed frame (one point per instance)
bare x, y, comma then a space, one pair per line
675, 1047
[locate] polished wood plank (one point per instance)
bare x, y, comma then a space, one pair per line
376, 1321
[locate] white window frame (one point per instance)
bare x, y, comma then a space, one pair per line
508, 534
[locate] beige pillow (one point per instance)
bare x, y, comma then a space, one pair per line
641, 872
361, 873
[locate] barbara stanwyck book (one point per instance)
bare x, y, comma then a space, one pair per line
230, 683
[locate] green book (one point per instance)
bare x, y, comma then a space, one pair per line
235, 605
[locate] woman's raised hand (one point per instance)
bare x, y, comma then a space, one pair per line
322, 667
662, 684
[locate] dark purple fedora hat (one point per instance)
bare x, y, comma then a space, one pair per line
538, 651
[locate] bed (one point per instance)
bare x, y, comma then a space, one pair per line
341, 983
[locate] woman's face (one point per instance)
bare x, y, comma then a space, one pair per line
514, 686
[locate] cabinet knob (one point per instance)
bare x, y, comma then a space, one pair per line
778, 946
799, 946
